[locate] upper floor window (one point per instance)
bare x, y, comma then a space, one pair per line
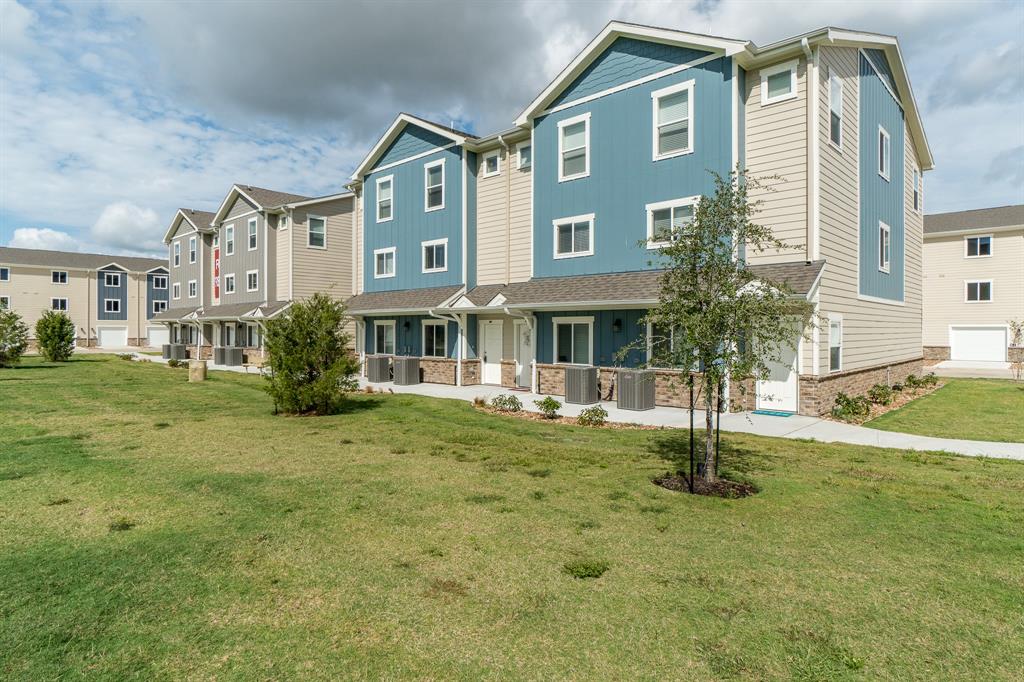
435, 336
435, 256
193, 288
835, 110
59, 277
59, 304
177, 254
666, 219
978, 247
884, 246
884, 152
229, 284
979, 292
111, 279
492, 163
574, 236
160, 281
385, 192
433, 179
573, 336
159, 307
384, 263
191, 249
835, 343
574, 147
111, 305
917, 192
252, 280
176, 291
252, 234
5, 274
316, 235
5, 302
778, 83
672, 120
229, 240
525, 154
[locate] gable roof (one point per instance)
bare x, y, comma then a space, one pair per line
975, 219
76, 261
260, 197
198, 220
405, 300
396, 128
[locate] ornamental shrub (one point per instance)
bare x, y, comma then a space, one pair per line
593, 416
880, 394
13, 338
55, 333
851, 408
506, 403
930, 379
549, 407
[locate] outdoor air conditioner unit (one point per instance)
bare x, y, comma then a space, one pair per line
218, 355
177, 351
407, 371
581, 385
378, 368
166, 351
233, 356
635, 389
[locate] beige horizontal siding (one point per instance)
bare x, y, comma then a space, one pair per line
329, 270
504, 222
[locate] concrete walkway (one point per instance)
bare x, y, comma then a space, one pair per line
965, 369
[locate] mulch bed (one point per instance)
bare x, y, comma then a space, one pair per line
899, 399
538, 417
720, 488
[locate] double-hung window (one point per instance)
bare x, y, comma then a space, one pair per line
917, 190
385, 194
435, 335
835, 343
316, 236
176, 291
884, 246
835, 110
435, 256
111, 305
229, 284
5, 274
673, 120
573, 340
160, 282
884, 152
229, 240
111, 279
191, 249
59, 304
778, 83
384, 337
253, 239
159, 307
384, 263
574, 148
433, 180
666, 219
59, 277
177, 254
978, 247
252, 280
193, 288
574, 236
979, 292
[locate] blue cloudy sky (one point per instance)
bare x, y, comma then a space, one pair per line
114, 114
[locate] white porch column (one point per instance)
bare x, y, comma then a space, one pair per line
460, 349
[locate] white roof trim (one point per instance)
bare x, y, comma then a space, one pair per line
174, 225
317, 200
115, 264
235, 191
393, 131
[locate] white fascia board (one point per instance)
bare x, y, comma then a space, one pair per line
310, 202
392, 132
175, 222
235, 192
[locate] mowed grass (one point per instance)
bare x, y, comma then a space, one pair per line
156, 529
974, 409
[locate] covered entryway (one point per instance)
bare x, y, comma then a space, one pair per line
524, 353
978, 343
157, 336
112, 337
490, 350
780, 391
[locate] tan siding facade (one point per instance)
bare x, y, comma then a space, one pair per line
325, 270
504, 219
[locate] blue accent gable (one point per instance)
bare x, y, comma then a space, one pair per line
607, 342
411, 141
880, 199
156, 294
881, 62
624, 178
625, 60
104, 292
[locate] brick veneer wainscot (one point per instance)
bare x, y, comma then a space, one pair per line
818, 394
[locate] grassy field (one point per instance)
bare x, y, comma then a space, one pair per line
975, 409
155, 529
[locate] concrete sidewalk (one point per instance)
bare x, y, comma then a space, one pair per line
965, 369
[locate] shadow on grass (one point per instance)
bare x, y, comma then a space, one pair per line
347, 407
674, 446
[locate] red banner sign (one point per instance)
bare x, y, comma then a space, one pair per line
216, 272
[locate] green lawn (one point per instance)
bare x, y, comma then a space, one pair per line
975, 409
417, 538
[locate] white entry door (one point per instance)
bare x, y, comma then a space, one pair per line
986, 344
491, 351
779, 391
157, 336
524, 354
112, 337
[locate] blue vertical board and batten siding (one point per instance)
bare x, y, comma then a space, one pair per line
607, 342
624, 178
410, 341
880, 199
153, 294
411, 224
104, 292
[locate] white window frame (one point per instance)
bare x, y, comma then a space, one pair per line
252, 272
229, 240
585, 119
5, 274
790, 66
159, 307
394, 337
587, 217
833, 78
115, 275
967, 240
443, 324
252, 233
394, 262
835, 318
423, 253
117, 306
496, 155
427, 208
519, 155
225, 290
979, 282
176, 291
54, 300
380, 181
176, 254
157, 279
916, 193
5, 302
192, 250
884, 153
656, 96
193, 288
309, 221
59, 272
884, 259
660, 205
576, 319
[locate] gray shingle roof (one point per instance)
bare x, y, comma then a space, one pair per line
173, 314
798, 276
482, 295
400, 301
71, 259
200, 219
450, 129
227, 311
272, 308
977, 219
268, 198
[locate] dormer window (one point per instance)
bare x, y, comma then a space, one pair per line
574, 148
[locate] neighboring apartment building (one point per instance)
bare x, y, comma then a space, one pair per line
112, 300
234, 268
973, 284
500, 259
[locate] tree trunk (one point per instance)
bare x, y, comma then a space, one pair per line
710, 469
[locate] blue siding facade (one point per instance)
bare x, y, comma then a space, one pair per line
153, 294
409, 334
119, 293
880, 199
412, 140
624, 178
607, 342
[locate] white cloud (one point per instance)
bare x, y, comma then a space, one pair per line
43, 238
123, 225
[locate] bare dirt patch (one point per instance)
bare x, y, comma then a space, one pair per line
720, 488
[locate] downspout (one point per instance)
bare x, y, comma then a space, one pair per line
531, 323
508, 208
812, 148
458, 341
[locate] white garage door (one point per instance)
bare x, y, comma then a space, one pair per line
158, 336
978, 343
112, 337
